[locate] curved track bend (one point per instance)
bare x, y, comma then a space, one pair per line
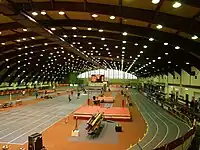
162, 127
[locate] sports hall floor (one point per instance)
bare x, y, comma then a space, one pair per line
17, 124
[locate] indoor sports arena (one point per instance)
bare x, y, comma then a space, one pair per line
100, 75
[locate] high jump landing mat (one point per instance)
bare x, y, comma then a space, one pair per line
106, 99
113, 113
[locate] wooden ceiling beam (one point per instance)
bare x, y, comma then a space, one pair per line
171, 21
52, 3
24, 19
175, 40
31, 4
156, 12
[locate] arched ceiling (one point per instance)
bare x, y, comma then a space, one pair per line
45, 39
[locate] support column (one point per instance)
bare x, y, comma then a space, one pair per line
167, 88
181, 87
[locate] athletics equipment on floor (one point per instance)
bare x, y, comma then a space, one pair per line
94, 124
118, 128
106, 99
76, 131
5, 147
35, 142
113, 113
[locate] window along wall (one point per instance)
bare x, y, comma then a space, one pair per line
109, 74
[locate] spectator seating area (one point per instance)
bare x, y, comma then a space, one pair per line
179, 105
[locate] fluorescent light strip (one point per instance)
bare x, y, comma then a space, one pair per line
130, 66
115, 66
122, 64
108, 64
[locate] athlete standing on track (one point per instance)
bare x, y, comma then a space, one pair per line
78, 95
69, 97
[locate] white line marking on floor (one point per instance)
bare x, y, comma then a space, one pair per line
58, 120
166, 132
23, 127
157, 128
145, 121
40, 124
29, 124
165, 117
38, 112
32, 129
178, 134
24, 111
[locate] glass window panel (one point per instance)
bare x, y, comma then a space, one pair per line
109, 74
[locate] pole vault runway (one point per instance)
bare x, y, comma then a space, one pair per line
162, 127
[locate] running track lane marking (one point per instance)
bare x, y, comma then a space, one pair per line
178, 134
147, 129
36, 112
165, 134
27, 125
22, 127
40, 125
57, 121
157, 128
32, 129
49, 105
169, 115
48, 126
166, 112
27, 109
152, 106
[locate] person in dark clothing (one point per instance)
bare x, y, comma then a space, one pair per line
69, 97
122, 92
78, 95
96, 102
36, 93
192, 104
187, 102
45, 92
184, 109
196, 106
199, 105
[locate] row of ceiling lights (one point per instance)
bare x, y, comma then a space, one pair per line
63, 13
194, 37
74, 28
113, 17
136, 44
176, 4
